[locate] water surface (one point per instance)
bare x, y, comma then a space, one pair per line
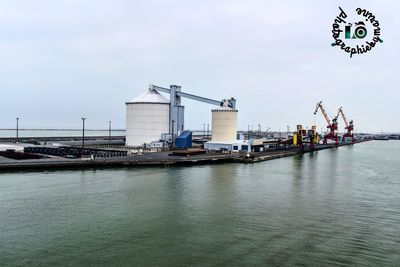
335, 207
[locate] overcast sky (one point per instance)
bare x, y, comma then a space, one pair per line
61, 60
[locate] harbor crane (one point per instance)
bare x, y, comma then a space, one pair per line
349, 127
177, 110
332, 125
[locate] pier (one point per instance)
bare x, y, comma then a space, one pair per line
157, 159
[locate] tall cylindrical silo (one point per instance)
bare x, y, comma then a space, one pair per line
224, 124
147, 117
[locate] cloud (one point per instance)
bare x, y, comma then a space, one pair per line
273, 56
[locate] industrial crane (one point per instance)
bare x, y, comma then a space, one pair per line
348, 136
332, 126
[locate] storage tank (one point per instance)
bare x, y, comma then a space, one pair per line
147, 117
224, 123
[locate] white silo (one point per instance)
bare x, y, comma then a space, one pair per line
224, 124
147, 117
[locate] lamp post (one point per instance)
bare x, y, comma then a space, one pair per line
17, 127
208, 131
109, 130
288, 130
83, 133
267, 129
204, 131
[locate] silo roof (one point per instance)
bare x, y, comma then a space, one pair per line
150, 96
224, 108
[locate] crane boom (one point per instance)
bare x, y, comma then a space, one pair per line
343, 116
348, 136
319, 106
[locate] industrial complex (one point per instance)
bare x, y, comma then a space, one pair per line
156, 134
152, 120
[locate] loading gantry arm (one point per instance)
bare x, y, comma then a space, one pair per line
176, 113
231, 101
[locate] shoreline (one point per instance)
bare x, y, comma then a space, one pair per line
158, 159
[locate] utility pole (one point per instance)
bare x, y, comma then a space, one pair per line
83, 134
17, 128
208, 130
288, 130
204, 131
109, 130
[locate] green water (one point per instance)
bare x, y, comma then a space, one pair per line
331, 208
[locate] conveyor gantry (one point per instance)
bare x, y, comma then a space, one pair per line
177, 110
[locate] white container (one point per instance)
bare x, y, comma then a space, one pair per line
224, 124
147, 117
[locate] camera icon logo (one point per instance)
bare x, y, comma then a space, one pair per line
351, 37
360, 31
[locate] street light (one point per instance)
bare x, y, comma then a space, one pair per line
83, 133
17, 128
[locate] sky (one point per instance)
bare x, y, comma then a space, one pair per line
61, 60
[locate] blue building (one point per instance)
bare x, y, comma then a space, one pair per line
184, 140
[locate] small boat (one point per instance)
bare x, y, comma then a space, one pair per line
382, 137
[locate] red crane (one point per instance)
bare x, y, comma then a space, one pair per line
332, 126
349, 127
